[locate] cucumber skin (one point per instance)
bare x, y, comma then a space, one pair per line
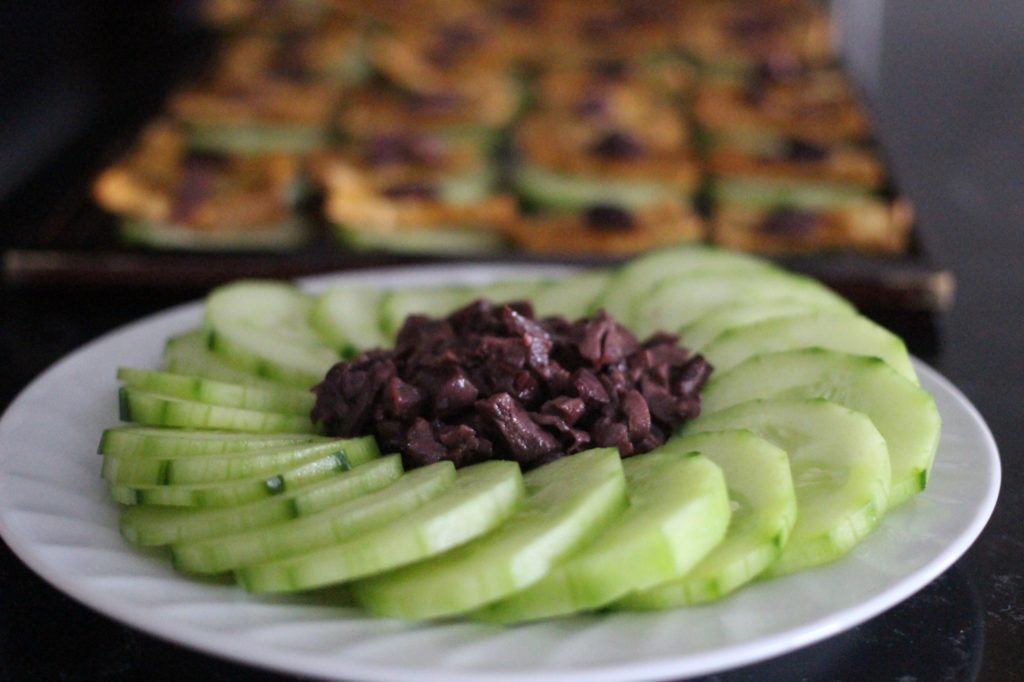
153, 409
519, 553
441, 524
626, 557
868, 473
149, 526
329, 526
908, 418
742, 555
218, 392
232, 493
136, 471
142, 442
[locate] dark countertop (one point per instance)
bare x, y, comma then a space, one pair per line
948, 108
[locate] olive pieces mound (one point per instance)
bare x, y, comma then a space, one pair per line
491, 382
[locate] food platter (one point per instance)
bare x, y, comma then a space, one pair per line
55, 513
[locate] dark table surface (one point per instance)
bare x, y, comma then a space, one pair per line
947, 98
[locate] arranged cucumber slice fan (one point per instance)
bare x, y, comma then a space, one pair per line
811, 427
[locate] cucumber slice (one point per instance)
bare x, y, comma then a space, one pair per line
470, 188
134, 471
845, 333
483, 496
216, 392
255, 138
572, 297
287, 234
763, 514
229, 493
453, 240
807, 196
154, 409
508, 291
676, 302
152, 525
568, 503
348, 319
144, 441
706, 328
557, 191
840, 468
396, 306
903, 413
633, 281
678, 511
188, 354
263, 328
327, 527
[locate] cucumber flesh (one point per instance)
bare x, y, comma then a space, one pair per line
764, 510
450, 240
483, 496
162, 525
678, 301
188, 354
348, 319
844, 333
705, 329
553, 190
633, 281
263, 328
817, 196
568, 503
229, 493
903, 413
154, 409
150, 470
678, 511
216, 392
432, 302
326, 527
572, 297
840, 468
146, 441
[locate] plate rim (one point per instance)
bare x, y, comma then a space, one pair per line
282, 660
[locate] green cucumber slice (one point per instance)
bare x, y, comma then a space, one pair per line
845, 333
263, 328
397, 305
483, 496
678, 511
706, 328
676, 302
903, 413
154, 409
568, 503
216, 392
814, 196
508, 291
470, 240
633, 281
840, 466
764, 510
188, 354
134, 471
572, 297
229, 493
348, 319
255, 138
145, 441
281, 236
321, 529
163, 525
552, 190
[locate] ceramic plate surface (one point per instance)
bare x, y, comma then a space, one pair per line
56, 514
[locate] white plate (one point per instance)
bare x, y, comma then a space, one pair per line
55, 513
